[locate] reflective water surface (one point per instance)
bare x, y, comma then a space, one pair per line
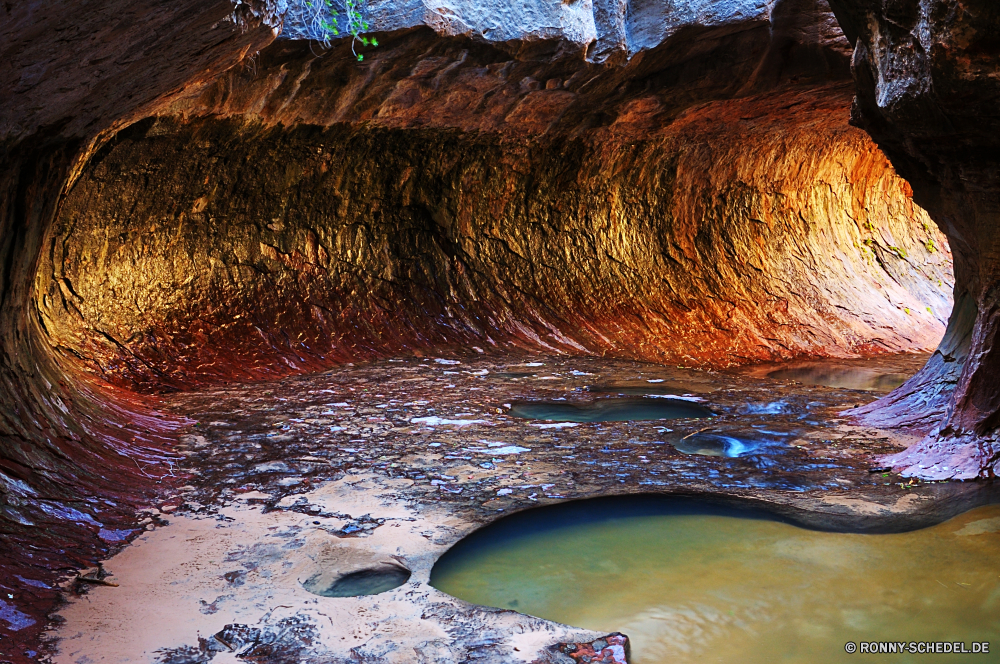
609, 410
695, 583
874, 374
362, 582
722, 445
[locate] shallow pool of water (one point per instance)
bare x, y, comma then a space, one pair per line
609, 410
371, 581
873, 374
694, 583
722, 445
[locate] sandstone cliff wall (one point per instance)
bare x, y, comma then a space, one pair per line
927, 85
198, 250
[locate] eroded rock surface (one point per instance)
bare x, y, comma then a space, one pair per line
216, 250
649, 170
73, 451
927, 86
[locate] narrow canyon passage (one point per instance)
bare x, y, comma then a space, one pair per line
227, 258
189, 253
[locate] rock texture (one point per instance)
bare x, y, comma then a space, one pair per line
206, 250
594, 177
927, 89
465, 196
71, 448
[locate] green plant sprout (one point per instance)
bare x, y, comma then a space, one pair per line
323, 20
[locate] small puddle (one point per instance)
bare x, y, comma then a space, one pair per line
852, 379
722, 445
370, 581
691, 582
879, 374
639, 389
609, 410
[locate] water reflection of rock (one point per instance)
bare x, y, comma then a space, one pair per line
652, 387
722, 445
876, 374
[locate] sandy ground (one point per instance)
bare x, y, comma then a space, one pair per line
181, 584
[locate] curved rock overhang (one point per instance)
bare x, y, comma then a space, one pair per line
677, 187
221, 244
77, 455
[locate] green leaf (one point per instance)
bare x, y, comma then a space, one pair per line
375, 43
360, 57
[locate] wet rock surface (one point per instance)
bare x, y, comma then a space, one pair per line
611, 650
390, 463
445, 425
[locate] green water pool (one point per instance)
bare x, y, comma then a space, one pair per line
689, 582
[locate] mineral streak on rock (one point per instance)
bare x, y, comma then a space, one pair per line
927, 86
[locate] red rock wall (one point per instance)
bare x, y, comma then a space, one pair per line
202, 250
76, 455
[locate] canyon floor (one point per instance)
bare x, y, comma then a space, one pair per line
385, 465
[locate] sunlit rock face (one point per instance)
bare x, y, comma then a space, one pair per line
927, 79
193, 250
705, 203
